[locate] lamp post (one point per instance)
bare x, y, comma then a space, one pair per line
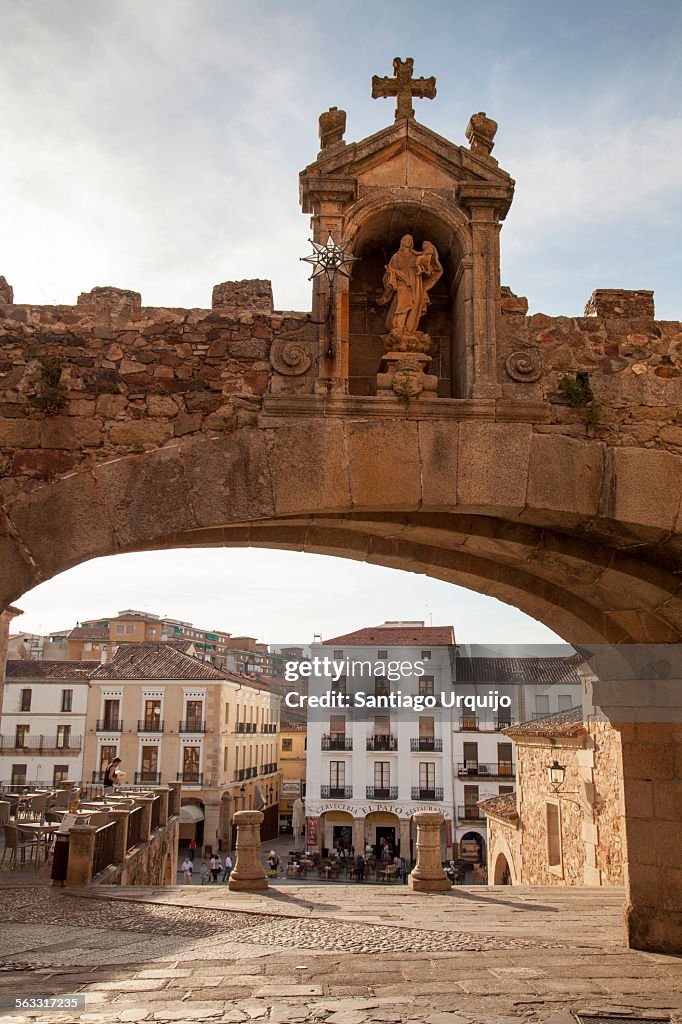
557, 775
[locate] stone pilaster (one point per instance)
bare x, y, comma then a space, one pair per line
81, 854
120, 816
358, 835
428, 874
652, 795
248, 874
145, 802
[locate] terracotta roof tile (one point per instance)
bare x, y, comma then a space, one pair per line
89, 633
517, 670
77, 671
397, 636
563, 723
157, 660
501, 806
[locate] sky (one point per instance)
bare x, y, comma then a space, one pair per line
156, 146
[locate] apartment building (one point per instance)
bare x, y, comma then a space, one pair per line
484, 759
370, 770
44, 709
169, 715
293, 744
132, 627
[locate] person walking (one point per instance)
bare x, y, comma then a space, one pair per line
215, 868
360, 867
227, 870
204, 872
187, 870
112, 774
192, 849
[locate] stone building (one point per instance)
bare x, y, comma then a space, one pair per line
484, 757
293, 746
170, 716
564, 830
42, 727
370, 770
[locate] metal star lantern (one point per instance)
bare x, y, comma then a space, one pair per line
330, 259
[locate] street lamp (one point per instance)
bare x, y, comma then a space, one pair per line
557, 775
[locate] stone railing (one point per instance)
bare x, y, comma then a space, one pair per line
144, 855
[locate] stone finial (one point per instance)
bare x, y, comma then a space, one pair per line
253, 296
6, 291
248, 874
332, 127
427, 874
480, 133
403, 86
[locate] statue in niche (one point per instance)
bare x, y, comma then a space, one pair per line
409, 277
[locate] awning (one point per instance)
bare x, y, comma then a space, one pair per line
191, 813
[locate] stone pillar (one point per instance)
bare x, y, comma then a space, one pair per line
211, 827
81, 854
174, 795
404, 836
248, 874
359, 835
428, 874
164, 793
652, 798
120, 816
145, 802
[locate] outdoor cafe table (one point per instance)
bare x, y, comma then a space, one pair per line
44, 833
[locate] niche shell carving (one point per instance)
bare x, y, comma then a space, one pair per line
524, 367
290, 356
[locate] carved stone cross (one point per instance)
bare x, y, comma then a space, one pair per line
404, 87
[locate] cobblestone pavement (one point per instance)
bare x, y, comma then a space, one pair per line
326, 955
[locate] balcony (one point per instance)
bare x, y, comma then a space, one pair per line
191, 778
243, 774
426, 745
150, 778
381, 793
494, 770
503, 723
336, 741
470, 812
149, 725
41, 744
268, 769
382, 741
427, 794
468, 723
269, 727
336, 792
192, 725
109, 725
245, 727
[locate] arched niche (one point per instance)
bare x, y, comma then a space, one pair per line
376, 228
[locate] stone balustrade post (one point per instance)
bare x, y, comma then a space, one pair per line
120, 817
81, 854
164, 793
174, 795
428, 874
145, 802
248, 874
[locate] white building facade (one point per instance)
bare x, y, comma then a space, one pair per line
484, 761
43, 721
370, 769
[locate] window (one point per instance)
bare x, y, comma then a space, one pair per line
471, 798
67, 700
382, 775
426, 686
427, 776
130, 629
149, 762
87, 646
120, 628
337, 727
470, 754
565, 701
506, 789
337, 774
382, 655
339, 685
338, 655
21, 736
152, 715
382, 687
287, 744
426, 655
553, 838
191, 758
504, 759
152, 631
63, 736
107, 753
226, 759
18, 774
112, 709
25, 704
60, 773
227, 712
541, 704
194, 712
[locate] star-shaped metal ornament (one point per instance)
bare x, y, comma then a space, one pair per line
330, 259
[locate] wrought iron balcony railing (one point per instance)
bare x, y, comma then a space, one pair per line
426, 745
149, 725
382, 792
336, 792
494, 769
427, 794
109, 725
192, 725
382, 741
336, 741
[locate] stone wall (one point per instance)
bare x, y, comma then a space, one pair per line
109, 377
592, 835
152, 863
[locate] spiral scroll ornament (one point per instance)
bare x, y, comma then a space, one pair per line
290, 357
524, 367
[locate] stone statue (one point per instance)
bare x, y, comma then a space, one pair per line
298, 818
409, 277
332, 126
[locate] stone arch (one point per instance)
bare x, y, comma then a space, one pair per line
375, 224
501, 859
502, 874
